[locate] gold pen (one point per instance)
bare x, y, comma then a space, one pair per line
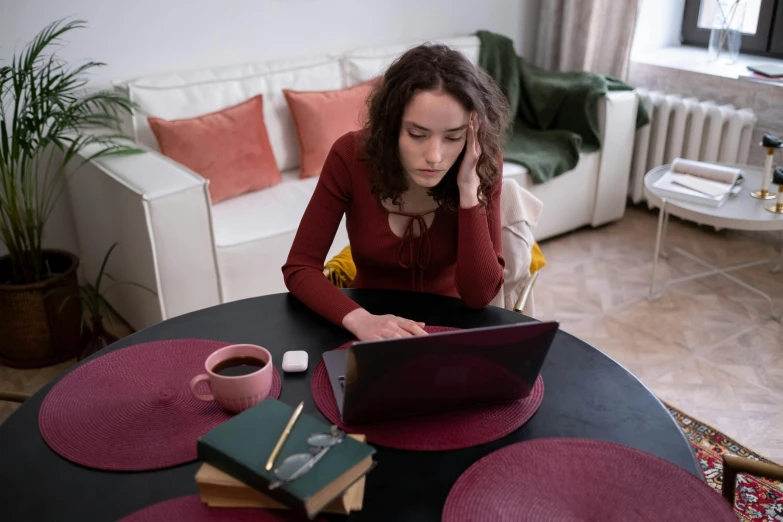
284, 436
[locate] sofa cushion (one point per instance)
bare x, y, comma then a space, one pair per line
321, 117
361, 65
186, 95
279, 209
258, 215
230, 148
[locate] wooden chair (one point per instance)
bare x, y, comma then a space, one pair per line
11, 396
524, 295
341, 271
733, 464
537, 262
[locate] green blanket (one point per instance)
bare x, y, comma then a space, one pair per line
554, 114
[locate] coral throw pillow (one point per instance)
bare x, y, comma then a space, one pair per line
229, 147
321, 117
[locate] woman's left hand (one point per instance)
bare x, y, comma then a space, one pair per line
467, 177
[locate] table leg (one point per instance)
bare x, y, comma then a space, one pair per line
664, 252
724, 273
662, 218
777, 268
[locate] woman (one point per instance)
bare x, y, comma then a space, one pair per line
420, 187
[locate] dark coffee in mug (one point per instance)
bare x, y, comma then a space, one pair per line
238, 366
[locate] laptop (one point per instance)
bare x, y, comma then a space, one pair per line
392, 378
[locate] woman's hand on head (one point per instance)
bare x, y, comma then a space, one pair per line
467, 179
367, 327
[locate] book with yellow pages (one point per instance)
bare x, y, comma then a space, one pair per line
219, 489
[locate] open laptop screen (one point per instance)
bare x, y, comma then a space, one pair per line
447, 370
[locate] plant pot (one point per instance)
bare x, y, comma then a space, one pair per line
34, 332
99, 338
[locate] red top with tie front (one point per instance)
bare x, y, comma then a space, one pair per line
459, 255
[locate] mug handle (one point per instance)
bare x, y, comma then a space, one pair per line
195, 382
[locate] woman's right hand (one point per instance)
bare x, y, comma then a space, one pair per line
367, 327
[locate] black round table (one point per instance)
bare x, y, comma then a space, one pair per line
587, 395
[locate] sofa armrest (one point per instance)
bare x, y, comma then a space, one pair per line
159, 213
617, 120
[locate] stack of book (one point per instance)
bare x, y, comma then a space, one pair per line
234, 455
699, 182
219, 489
765, 73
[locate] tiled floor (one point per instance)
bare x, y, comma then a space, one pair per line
708, 347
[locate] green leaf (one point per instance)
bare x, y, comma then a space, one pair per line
45, 106
108, 313
81, 323
103, 267
131, 283
65, 301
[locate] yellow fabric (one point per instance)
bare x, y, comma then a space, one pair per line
537, 262
340, 270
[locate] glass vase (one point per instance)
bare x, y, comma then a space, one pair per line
726, 31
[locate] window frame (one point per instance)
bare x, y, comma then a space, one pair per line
768, 40
776, 36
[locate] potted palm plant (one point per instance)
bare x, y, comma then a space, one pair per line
47, 121
96, 308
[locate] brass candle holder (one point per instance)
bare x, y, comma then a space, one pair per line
777, 179
771, 143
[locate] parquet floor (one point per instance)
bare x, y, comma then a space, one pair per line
30, 381
708, 347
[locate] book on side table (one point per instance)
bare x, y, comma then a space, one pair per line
239, 448
699, 182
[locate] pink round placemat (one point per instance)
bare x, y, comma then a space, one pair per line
191, 509
132, 408
434, 432
554, 480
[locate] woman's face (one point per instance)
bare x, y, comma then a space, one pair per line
432, 136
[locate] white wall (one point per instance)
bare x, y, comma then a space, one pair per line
659, 24
149, 36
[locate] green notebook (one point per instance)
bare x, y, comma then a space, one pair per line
242, 445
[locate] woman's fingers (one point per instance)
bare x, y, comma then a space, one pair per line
413, 328
472, 141
372, 327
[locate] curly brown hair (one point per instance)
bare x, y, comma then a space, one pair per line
433, 67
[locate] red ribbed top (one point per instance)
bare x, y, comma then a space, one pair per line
460, 255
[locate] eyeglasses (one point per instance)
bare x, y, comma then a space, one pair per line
296, 465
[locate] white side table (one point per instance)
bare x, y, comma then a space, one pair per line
739, 212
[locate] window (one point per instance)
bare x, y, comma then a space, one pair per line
762, 25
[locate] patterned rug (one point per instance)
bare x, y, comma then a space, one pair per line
757, 499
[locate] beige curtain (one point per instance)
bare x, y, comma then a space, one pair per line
587, 35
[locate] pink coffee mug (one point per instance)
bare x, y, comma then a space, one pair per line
236, 393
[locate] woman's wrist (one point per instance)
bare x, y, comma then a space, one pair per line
350, 319
468, 195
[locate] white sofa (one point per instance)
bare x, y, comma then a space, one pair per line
195, 254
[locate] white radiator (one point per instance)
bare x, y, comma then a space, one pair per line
687, 128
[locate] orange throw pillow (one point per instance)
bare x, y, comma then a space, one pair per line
321, 117
229, 147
